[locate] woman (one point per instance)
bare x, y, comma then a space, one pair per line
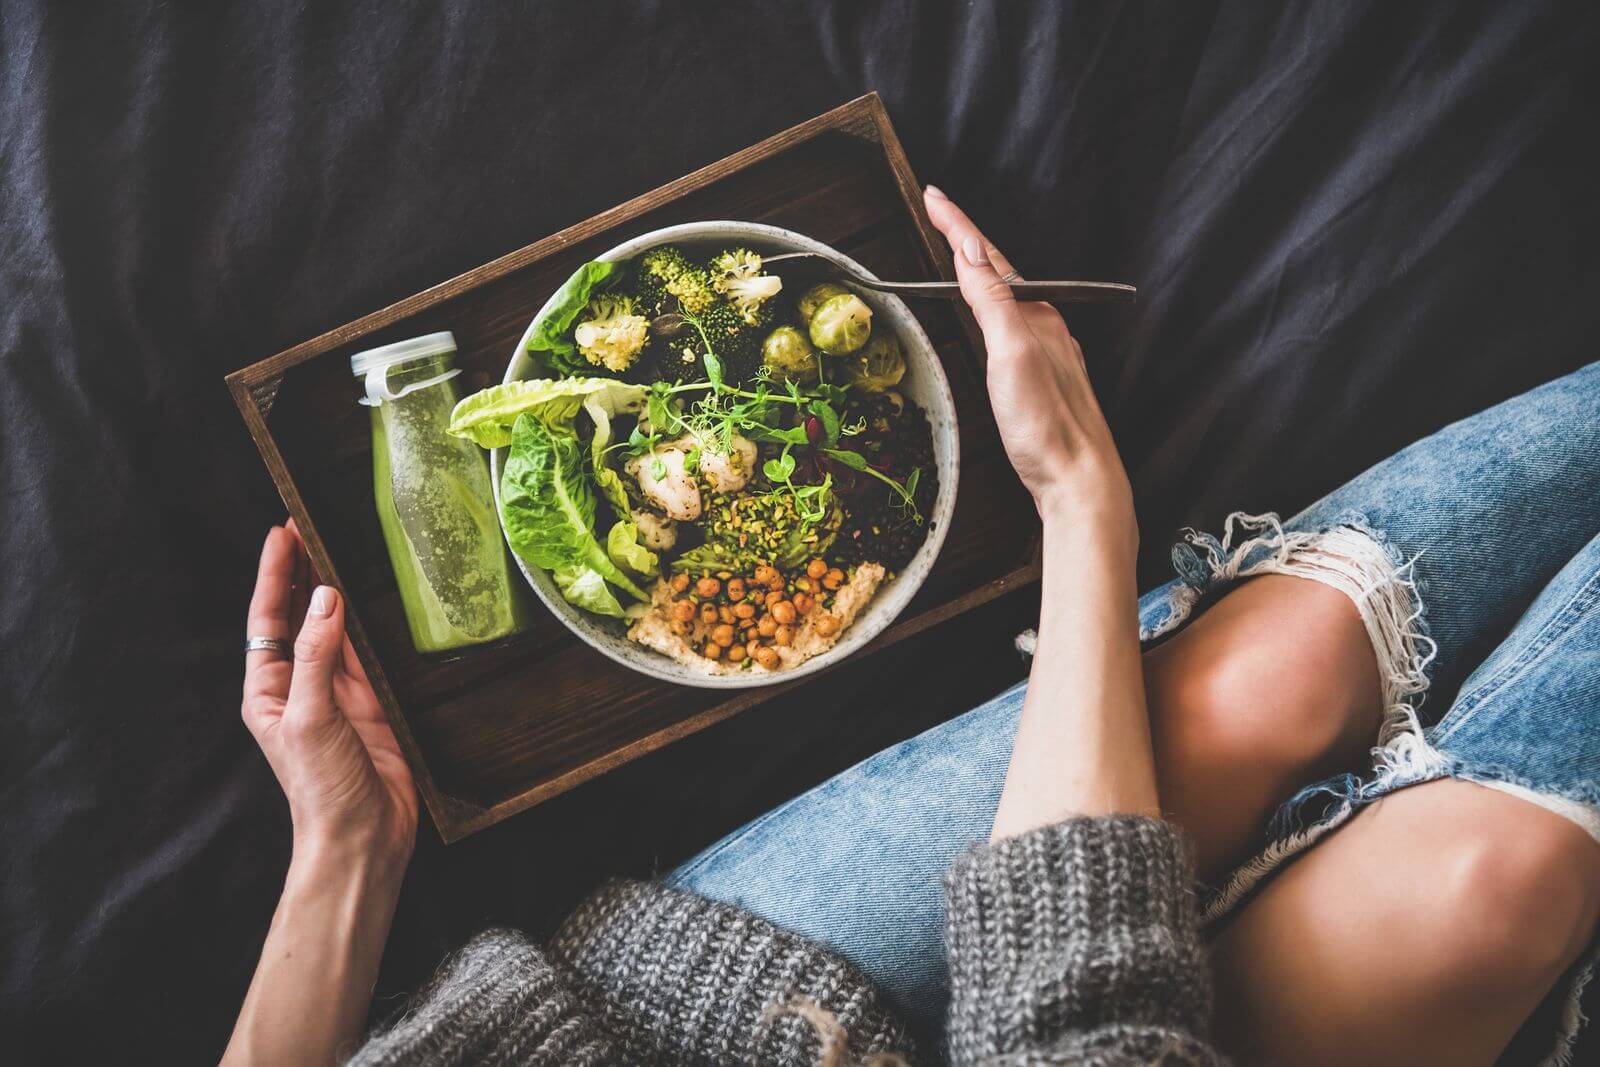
1415, 926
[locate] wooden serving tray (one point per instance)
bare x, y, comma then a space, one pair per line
495, 729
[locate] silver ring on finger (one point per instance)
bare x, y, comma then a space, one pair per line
280, 645
1011, 276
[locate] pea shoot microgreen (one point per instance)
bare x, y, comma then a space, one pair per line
723, 410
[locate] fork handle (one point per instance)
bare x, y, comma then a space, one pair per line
1058, 292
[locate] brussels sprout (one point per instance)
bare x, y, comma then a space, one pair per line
790, 355
842, 324
878, 366
815, 296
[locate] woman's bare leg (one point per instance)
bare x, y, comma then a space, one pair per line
1425, 931
1272, 688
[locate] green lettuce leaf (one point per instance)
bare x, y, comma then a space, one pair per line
548, 508
600, 407
552, 330
584, 587
488, 416
622, 545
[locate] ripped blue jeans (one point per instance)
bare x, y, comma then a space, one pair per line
1474, 560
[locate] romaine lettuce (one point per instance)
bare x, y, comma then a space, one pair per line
487, 416
548, 508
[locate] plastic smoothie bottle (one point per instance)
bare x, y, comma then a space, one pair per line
435, 503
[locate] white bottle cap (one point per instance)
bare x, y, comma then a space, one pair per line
374, 364
417, 347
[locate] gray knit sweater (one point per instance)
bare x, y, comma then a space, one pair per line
1073, 944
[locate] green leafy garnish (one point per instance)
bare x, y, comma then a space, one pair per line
905, 494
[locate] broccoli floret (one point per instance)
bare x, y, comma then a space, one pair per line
735, 335
693, 290
664, 263
611, 333
737, 276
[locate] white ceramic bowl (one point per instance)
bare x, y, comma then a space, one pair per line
924, 383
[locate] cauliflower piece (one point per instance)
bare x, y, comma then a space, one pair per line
666, 483
611, 333
737, 276
657, 533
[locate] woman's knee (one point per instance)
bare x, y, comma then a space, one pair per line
1518, 894
1277, 677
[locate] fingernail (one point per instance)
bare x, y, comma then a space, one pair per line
973, 249
934, 191
322, 601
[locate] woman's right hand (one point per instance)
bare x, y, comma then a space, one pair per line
1051, 424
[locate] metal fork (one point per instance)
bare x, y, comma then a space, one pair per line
1060, 292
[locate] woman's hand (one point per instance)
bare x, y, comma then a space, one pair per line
1049, 420
354, 808
1083, 743
317, 719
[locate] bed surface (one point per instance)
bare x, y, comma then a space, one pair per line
1350, 224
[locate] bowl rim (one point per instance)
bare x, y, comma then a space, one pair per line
891, 602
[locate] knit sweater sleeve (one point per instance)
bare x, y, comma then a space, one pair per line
641, 973
1078, 943
496, 1001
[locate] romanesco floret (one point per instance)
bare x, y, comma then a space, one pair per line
611, 333
737, 276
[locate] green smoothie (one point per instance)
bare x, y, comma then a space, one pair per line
435, 504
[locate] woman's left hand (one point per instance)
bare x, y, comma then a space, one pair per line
354, 807
318, 721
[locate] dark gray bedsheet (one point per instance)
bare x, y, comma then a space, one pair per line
1351, 223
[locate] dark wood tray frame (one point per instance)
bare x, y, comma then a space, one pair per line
493, 730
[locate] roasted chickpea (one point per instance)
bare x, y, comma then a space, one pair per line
767, 626
759, 596
775, 583
747, 624
707, 587
765, 574
737, 654
767, 657
735, 589
752, 646
784, 636
816, 569
803, 603
725, 614
744, 611
833, 579
708, 614
712, 650
680, 582
723, 635
679, 628
783, 611
683, 610
827, 625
